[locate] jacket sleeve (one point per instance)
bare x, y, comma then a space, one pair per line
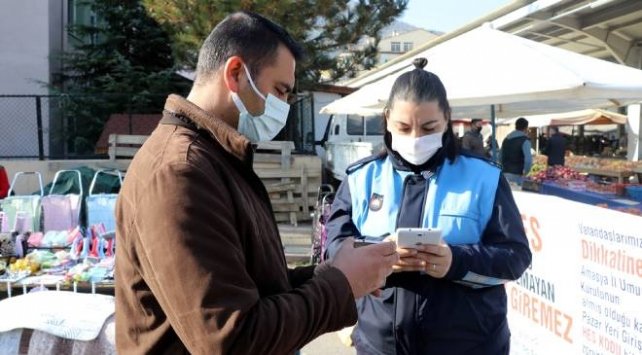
546, 149
300, 275
339, 225
528, 157
503, 253
216, 308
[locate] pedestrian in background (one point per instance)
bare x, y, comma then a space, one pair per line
555, 148
473, 141
516, 157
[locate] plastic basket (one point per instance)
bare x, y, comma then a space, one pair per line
634, 192
102, 206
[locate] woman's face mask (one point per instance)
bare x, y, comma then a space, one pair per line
267, 125
416, 129
417, 150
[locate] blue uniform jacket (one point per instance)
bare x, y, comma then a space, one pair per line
465, 312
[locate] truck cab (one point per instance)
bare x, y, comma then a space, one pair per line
347, 139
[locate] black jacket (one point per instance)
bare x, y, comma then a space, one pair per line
555, 149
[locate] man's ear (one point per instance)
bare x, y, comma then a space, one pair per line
232, 72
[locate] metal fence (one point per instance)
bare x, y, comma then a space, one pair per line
65, 126
74, 127
21, 126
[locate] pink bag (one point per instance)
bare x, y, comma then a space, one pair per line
35, 239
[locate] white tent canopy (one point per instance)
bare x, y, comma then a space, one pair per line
574, 118
487, 67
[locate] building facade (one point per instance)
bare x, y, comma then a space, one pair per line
397, 44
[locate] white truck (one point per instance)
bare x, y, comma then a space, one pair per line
347, 139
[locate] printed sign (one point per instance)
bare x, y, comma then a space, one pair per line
582, 293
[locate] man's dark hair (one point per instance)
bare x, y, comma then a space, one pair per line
555, 129
475, 120
247, 35
419, 86
521, 124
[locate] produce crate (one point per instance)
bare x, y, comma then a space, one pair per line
530, 185
573, 185
602, 189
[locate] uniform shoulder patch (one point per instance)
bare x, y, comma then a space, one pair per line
359, 163
376, 202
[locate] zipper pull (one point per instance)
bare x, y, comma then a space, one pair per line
427, 174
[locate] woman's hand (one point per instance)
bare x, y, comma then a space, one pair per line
408, 259
437, 258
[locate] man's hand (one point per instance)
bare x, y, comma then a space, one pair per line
366, 268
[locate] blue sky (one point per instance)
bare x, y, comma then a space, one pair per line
447, 15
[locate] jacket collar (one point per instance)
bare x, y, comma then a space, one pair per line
229, 138
473, 133
516, 134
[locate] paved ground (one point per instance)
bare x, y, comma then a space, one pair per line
327, 344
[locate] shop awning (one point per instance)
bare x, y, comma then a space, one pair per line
487, 67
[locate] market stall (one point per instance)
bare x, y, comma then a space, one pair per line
614, 168
610, 200
593, 181
44, 242
588, 132
58, 323
638, 172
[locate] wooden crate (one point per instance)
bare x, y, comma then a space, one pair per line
291, 181
272, 163
124, 145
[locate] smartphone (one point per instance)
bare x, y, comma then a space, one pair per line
412, 237
358, 243
367, 240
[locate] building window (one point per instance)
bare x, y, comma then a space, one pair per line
71, 12
407, 46
395, 47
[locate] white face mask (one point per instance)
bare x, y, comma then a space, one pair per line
267, 125
417, 150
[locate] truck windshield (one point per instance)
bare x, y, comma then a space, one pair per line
354, 125
374, 125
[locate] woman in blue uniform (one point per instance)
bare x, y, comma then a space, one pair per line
447, 298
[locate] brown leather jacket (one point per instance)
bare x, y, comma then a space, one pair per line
200, 266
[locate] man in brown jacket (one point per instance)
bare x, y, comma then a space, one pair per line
200, 265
